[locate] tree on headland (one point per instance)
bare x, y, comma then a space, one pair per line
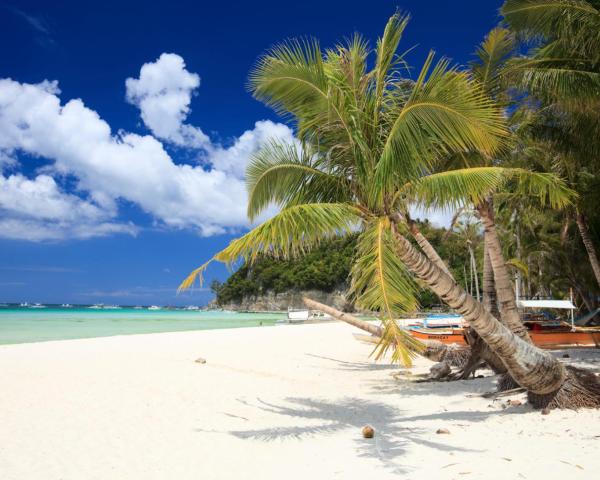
369, 148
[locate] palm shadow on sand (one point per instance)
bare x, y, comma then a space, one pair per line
355, 366
317, 417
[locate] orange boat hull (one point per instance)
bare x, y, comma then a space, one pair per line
543, 339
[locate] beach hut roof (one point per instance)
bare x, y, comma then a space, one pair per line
559, 304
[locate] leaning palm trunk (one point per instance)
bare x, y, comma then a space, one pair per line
428, 248
479, 354
344, 317
506, 297
547, 381
589, 246
534, 369
434, 350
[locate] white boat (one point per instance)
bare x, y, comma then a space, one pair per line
299, 315
111, 307
97, 306
192, 307
24, 304
154, 307
66, 305
38, 305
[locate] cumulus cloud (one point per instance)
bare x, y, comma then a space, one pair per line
163, 93
112, 166
439, 218
37, 210
234, 160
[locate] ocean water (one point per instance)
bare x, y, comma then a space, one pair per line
23, 325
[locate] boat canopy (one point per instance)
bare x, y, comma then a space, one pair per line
559, 304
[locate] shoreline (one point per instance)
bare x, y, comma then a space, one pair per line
125, 335
266, 400
47, 325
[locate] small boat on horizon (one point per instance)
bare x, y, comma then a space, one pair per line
154, 307
96, 306
37, 305
24, 304
66, 305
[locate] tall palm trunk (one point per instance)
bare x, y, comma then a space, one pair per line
480, 349
504, 290
534, 369
474, 270
490, 301
519, 280
587, 242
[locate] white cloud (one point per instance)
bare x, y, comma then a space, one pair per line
163, 93
41, 199
38, 210
109, 167
439, 218
233, 160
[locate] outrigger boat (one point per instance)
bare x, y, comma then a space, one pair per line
544, 333
558, 337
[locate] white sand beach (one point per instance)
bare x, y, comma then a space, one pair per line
269, 403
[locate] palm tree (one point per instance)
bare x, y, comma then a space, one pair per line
369, 140
468, 229
564, 73
491, 57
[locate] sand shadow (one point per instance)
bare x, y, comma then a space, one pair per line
356, 366
407, 387
317, 417
588, 358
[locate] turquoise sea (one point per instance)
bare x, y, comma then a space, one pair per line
23, 325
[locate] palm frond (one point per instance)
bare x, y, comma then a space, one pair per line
292, 79
554, 78
519, 265
291, 233
381, 282
491, 57
544, 187
446, 112
285, 174
567, 65
387, 46
550, 18
452, 189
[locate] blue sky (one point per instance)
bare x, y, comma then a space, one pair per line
125, 128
